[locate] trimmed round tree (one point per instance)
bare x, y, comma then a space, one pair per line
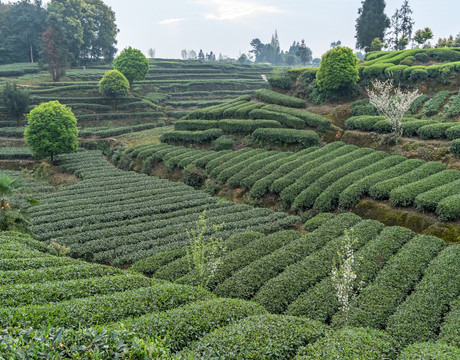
51, 130
113, 84
132, 64
338, 72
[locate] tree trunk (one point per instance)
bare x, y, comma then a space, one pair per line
31, 53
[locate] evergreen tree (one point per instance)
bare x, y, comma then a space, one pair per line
304, 53
201, 55
371, 23
402, 25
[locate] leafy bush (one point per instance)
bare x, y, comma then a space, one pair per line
395, 72
132, 64
381, 298
318, 220
452, 109
246, 126
419, 317
453, 132
283, 137
351, 344
448, 209
51, 130
283, 118
382, 189
113, 84
16, 101
197, 137
311, 119
430, 351
188, 323
434, 131
280, 82
433, 105
365, 122
222, 143
243, 111
376, 70
267, 337
429, 200
411, 127
273, 97
338, 73
194, 125
417, 104
455, 147
408, 61
405, 195
451, 327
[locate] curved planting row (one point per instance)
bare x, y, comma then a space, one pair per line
117, 217
336, 175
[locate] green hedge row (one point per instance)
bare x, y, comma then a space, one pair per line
273, 97
405, 195
316, 221
429, 200
196, 137
282, 290
284, 137
283, 118
227, 162
453, 132
320, 302
450, 330
351, 344
383, 189
452, 109
419, 318
12, 132
381, 298
222, 143
269, 337
246, 282
243, 256
195, 125
448, 209
108, 132
233, 168
57, 291
10, 153
103, 309
430, 351
290, 173
246, 126
216, 112
64, 88
455, 147
437, 131
415, 106
433, 105
353, 193
188, 323
311, 119
243, 111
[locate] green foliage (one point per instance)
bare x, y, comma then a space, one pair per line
196, 137
193, 125
435, 131
132, 64
371, 23
418, 318
317, 220
452, 109
455, 147
417, 104
429, 200
351, 344
222, 143
16, 101
188, 323
273, 97
280, 82
283, 118
382, 297
433, 105
283, 137
448, 209
430, 351
338, 73
113, 84
51, 130
267, 337
311, 119
246, 127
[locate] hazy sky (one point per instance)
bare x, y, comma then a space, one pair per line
228, 26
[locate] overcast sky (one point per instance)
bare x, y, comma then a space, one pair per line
228, 26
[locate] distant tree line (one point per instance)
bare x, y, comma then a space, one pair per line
62, 33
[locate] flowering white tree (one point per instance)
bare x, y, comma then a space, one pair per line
204, 252
343, 274
391, 102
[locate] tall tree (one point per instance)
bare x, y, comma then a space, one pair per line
304, 53
402, 25
55, 53
201, 55
423, 35
371, 23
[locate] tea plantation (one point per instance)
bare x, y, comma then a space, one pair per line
107, 271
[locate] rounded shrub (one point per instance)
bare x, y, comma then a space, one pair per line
351, 344
113, 84
132, 64
222, 143
408, 61
455, 147
318, 220
338, 72
430, 351
453, 132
